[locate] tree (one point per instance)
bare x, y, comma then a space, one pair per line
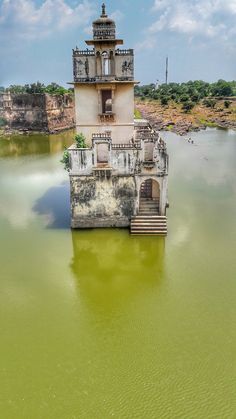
54, 88
184, 98
209, 103
35, 88
227, 103
222, 88
188, 106
164, 100
15, 88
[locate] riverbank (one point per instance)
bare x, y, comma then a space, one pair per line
8, 132
172, 117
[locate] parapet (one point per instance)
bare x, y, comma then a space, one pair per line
145, 154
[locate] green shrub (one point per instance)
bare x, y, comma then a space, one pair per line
3, 122
80, 140
209, 103
66, 160
188, 106
227, 103
184, 98
164, 100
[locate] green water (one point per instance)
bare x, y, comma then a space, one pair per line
98, 324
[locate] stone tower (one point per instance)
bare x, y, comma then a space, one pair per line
104, 81
120, 180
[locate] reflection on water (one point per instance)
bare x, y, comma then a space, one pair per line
32, 180
54, 205
100, 324
23, 145
109, 267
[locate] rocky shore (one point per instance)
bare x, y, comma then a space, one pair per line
174, 119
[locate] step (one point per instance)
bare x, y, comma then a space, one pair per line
149, 217
149, 225
148, 212
147, 220
148, 209
149, 200
148, 234
149, 203
151, 232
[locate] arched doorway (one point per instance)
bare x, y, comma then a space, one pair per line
98, 64
149, 202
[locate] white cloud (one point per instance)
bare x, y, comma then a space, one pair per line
147, 44
202, 18
117, 15
22, 18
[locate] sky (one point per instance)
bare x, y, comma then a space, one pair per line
199, 37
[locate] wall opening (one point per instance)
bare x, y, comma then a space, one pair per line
102, 153
112, 63
106, 101
106, 67
98, 64
149, 197
148, 151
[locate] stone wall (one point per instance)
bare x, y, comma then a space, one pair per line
102, 200
37, 112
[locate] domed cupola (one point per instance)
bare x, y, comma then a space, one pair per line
104, 28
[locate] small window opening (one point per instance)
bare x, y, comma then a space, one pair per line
106, 64
106, 101
102, 153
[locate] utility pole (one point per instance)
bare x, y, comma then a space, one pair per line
167, 69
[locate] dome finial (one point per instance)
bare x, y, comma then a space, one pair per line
103, 10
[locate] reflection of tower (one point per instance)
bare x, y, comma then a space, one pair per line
119, 268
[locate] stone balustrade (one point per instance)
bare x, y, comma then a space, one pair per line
124, 51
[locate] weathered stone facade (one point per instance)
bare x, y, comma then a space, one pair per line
37, 112
123, 172
106, 190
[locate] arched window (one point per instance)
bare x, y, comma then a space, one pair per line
105, 63
112, 63
98, 64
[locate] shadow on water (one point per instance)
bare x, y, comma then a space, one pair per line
55, 205
109, 265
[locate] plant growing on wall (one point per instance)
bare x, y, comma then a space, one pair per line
80, 140
3, 122
66, 160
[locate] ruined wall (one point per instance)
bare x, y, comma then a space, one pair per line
37, 112
102, 200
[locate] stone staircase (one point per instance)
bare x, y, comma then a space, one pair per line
148, 222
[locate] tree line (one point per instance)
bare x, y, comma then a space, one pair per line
188, 94
52, 88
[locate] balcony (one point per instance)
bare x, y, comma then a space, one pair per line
107, 117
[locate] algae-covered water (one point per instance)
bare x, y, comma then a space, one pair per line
98, 324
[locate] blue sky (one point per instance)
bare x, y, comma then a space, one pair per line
37, 36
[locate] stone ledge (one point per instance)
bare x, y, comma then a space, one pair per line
108, 222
